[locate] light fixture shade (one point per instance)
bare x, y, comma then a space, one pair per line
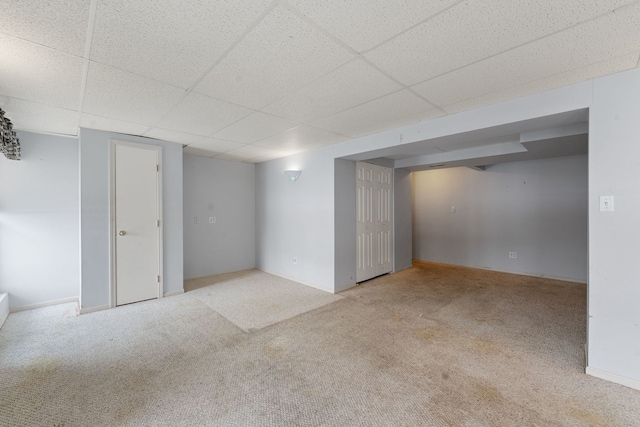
292, 174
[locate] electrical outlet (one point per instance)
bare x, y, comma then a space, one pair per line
295, 260
212, 220
195, 219
513, 255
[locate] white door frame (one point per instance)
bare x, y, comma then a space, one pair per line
112, 216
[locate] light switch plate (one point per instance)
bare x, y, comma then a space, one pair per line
606, 203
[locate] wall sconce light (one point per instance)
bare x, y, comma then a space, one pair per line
293, 174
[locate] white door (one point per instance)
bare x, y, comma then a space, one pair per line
136, 225
383, 219
373, 220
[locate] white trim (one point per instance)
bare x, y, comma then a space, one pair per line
172, 293
344, 287
42, 304
311, 285
4, 302
112, 216
4, 318
94, 309
618, 379
539, 276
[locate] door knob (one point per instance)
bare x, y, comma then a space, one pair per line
122, 232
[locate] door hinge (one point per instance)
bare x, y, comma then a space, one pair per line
158, 223
157, 168
158, 278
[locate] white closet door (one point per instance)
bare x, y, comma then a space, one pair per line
136, 224
373, 220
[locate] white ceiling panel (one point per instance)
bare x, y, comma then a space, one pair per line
216, 145
246, 152
269, 157
192, 151
39, 74
201, 115
124, 96
254, 127
559, 80
31, 116
280, 55
92, 121
301, 138
364, 24
562, 52
172, 41
172, 136
375, 115
474, 30
350, 85
59, 24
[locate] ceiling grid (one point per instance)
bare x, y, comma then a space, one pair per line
261, 79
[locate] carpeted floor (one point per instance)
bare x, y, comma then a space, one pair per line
430, 346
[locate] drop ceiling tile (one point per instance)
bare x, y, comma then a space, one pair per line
350, 85
31, 116
217, 145
364, 24
124, 96
171, 41
172, 136
246, 152
537, 86
39, 74
281, 54
474, 30
201, 115
103, 123
192, 151
254, 127
59, 24
574, 48
269, 157
301, 138
381, 114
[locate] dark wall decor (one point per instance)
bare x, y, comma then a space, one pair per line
9, 143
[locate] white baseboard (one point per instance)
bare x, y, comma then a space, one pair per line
311, 285
519, 273
401, 268
345, 287
615, 378
172, 293
219, 274
42, 304
3, 318
93, 309
4, 308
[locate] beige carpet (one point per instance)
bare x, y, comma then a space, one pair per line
430, 346
253, 300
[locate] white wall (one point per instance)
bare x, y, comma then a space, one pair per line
224, 190
614, 295
345, 224
39, 221
296, 219
614, 287
94, 214
402, 219
537, 209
